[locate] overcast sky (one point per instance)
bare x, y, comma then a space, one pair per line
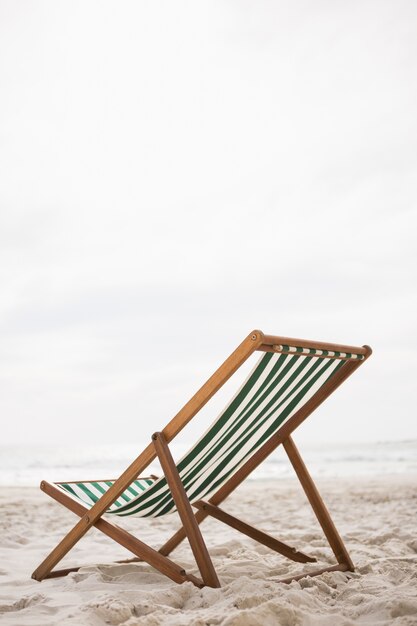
175, 174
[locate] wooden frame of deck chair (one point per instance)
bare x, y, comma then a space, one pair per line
292, 378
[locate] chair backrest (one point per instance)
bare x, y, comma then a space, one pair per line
279, 384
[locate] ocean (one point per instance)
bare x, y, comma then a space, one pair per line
28, 465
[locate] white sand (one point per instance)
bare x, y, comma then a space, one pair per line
377, 518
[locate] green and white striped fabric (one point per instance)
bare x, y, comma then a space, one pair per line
276, 388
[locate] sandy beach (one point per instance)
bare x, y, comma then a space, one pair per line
376, 517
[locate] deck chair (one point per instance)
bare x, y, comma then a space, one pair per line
290, 380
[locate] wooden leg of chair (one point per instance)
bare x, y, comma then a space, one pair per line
318, 505
121, 536
202, 557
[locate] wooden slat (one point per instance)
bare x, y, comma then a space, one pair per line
275, 349
254, 533
192, 529
100, 480
315, 572
57, 573
271, 340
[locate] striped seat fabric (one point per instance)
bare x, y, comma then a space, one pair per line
280, 383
